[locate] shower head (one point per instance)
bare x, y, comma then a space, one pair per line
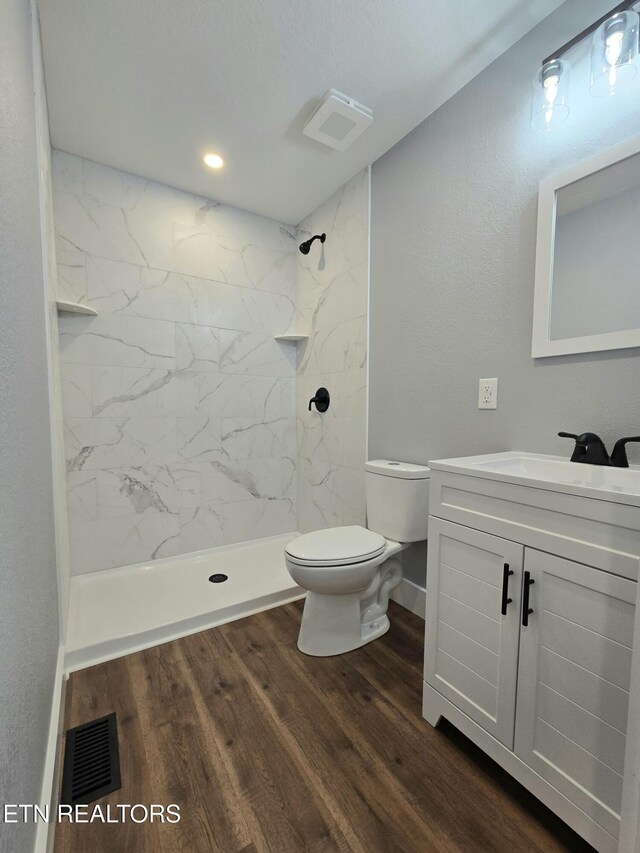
306, 246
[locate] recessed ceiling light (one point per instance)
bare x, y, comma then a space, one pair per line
214, 161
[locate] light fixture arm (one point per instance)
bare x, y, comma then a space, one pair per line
621, 7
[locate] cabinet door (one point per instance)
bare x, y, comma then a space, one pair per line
573, 681
471, 646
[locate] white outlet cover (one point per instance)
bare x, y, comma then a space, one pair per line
488, 394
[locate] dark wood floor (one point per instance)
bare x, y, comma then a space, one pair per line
265, 749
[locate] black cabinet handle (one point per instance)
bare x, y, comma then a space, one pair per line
526, 610
505, 588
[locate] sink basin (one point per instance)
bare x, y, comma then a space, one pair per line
551, 472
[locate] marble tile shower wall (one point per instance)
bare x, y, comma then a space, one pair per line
179, 406
332, 303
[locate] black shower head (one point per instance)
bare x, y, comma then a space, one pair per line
306, 246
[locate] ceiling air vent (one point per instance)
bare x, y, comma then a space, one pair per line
338, 121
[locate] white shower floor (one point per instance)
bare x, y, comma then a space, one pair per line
118, 611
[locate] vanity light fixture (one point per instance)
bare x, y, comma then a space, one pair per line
550, 106
213, 161
614, 51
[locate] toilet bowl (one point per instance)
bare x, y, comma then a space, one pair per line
349, 572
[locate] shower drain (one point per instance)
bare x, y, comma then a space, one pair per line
218, 578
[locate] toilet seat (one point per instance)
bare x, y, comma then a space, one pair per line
338, 546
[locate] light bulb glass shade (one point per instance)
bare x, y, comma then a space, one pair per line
613, 53
550, 104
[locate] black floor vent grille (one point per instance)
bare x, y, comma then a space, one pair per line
91, 762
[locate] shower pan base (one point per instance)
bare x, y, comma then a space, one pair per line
119, 611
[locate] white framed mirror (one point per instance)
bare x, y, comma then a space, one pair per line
587, 286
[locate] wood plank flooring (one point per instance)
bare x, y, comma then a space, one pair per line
269, 751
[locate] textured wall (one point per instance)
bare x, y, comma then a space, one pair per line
332, 306
453, 250
179, 405
28, 602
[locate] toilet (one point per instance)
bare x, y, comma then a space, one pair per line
349, 572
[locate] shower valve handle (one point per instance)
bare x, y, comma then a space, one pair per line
321, 400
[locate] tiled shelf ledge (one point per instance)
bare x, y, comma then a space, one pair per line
67, 307
294, 338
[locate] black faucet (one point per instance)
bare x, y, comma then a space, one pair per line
590, 449
619, 455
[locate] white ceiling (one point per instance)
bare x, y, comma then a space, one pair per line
148, 85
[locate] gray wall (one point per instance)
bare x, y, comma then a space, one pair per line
453, 242
28, 604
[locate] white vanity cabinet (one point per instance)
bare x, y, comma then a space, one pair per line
528, 652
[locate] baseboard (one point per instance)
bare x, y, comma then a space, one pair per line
49, 791
411, 596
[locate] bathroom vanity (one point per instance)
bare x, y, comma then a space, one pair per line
531, 591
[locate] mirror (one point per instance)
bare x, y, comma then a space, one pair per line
587, 294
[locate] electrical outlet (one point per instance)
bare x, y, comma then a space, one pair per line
488, 394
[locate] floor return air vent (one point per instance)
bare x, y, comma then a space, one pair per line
91, 761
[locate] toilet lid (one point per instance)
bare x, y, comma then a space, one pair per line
337, 546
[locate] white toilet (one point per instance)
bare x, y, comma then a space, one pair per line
349, 572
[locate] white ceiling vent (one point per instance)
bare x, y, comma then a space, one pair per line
338, 121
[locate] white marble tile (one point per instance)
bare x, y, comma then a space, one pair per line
187, 392
261, 398
72, 275
117, 340
163, 202
117, 287
133, 392
199, 439
223, 306
201, 527
133, 193
328, 500
66, 172
263, 517
179, 406
243, 438
76, 390
256, 267
98, 229
133, 491
238, 228
319, 442
121, 541
100, 443
287, 396
255, 353
197, 348
153, 239
344, 219
337, 349
111, 186
82, 499
316, 510
332, 304
227, 306
195, 251
251, 479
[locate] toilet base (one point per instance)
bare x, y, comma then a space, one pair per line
335, 624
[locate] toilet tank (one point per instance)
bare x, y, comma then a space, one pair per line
397, 499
